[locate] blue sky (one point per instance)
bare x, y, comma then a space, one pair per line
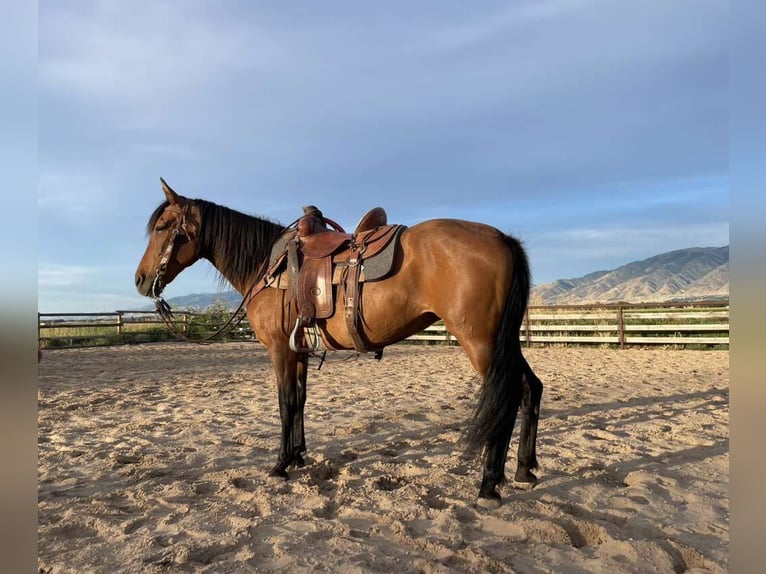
595, 131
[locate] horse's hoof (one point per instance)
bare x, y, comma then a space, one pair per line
489, 503
521, 485
524, 481
278, 473
488, 495
299, 461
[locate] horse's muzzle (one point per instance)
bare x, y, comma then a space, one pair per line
144, 285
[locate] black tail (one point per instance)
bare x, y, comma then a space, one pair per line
501, 392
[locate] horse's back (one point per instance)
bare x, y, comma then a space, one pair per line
459, 233
446, 268
439, 246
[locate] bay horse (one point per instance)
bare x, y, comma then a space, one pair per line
472, 276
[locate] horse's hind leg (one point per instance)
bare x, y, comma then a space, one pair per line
494, 470
529, 416
494, 464
496, 451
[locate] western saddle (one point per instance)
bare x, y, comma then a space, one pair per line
320, 255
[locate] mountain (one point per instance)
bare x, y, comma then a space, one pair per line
694, 274
201, 301
690, 274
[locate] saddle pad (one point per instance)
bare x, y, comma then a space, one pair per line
376, 267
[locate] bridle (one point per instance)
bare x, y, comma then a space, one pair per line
263, 281
162, 306
181, 226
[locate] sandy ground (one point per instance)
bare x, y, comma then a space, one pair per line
153, 458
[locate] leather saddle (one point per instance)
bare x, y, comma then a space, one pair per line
322, 258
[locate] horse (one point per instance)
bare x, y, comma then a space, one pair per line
472, 276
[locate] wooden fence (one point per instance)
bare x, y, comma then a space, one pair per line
120, 327
703, 324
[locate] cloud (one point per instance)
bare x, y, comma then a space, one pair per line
65, 301
527, 94
616, 238
152, 50
527, 115
464, 33
151, 66
576, 251
179, 151
57, 276
71, 195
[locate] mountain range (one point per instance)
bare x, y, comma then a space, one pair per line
693, 274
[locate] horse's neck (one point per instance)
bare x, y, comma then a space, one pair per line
241, 286
220, 258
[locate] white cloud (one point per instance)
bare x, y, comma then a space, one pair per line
566, 253
460, 37
56, 276
55, 301
154, 51
466, 112
697, 233
71, 195
181, 151
536, 10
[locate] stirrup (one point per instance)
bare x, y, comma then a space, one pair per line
313, 339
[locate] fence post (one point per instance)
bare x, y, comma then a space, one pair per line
527, 331
185, 323
38, 328
620, 327
119, 325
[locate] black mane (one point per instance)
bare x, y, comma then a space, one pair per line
240, 244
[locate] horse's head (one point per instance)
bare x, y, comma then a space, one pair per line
174, 245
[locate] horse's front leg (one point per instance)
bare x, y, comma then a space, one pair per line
299, 446
285, 366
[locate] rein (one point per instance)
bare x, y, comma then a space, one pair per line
164, 310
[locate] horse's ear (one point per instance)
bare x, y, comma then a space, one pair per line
170, 195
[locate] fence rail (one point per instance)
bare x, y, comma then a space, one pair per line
684, 324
